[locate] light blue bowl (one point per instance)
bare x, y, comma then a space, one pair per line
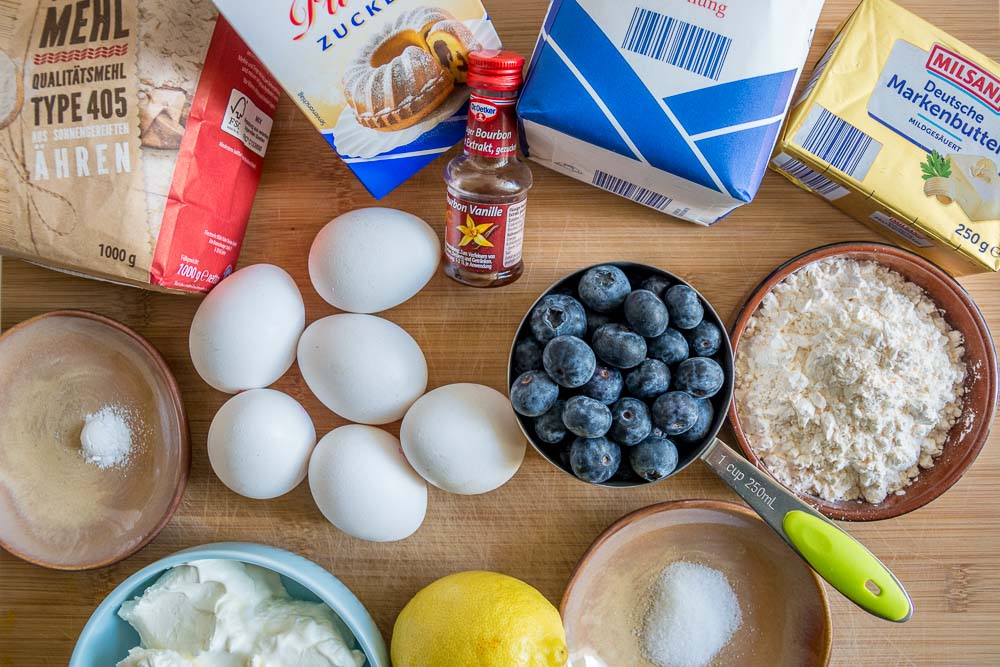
106, 638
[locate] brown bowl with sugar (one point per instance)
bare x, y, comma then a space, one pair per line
785, 612
971, 429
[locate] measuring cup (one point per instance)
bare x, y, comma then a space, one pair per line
836, 556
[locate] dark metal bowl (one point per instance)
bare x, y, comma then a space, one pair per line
687, 452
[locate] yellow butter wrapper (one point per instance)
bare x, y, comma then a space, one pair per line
899, 127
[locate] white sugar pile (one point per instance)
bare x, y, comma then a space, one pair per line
692, 614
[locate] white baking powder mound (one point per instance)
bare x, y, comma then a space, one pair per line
106, 437
693, 612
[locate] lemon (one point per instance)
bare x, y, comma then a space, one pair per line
478, 619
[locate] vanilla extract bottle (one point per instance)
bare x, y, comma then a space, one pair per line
488, 184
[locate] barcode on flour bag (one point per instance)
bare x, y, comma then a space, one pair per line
624, 188
811, 179
835, 141
677, 43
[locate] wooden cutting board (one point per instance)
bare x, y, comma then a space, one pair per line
537, 526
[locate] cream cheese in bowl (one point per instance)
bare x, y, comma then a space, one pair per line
231, 604
220, 612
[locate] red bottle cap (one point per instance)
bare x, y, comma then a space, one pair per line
495, 70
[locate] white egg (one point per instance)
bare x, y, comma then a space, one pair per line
364, 486
364, 368
259, 443
463, 438
372, 259
246, 329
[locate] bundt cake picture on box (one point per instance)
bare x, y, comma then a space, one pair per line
383, 82
408, 69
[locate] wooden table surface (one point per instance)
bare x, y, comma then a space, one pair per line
538, 525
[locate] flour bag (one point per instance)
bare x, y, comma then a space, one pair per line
132, 136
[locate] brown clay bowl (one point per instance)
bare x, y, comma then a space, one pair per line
971, 430
786, 616
56, 509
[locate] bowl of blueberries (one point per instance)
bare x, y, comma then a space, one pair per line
621, 374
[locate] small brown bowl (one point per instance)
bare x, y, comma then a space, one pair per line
786, 616
56, 509
971, 430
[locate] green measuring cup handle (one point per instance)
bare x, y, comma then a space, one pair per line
847, 565
836, 556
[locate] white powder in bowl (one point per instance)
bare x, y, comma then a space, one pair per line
107, 437
848, 380
693, 612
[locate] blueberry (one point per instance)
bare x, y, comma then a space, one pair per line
569, 361
595, 321
594, 460
701, 427
629, 421
533, 393
605, 385
684, 307
527, 356
675, 412
604, 288
557, 315
618, 346
699, 376
654, 458
655, 284
563, 455
705, 339
585, 417
670, 347
626, 474
645, 313
648, 379
549, 427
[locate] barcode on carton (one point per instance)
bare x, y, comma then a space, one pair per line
677, 43
835, 141
818, 70
629, 190
811, 179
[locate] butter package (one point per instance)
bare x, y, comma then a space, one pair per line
674, 104
899, 127
382, 80
134, 134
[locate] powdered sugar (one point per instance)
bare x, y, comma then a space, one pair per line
848, 380
693, 613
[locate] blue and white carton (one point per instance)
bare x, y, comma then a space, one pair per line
674, 104
382, 80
